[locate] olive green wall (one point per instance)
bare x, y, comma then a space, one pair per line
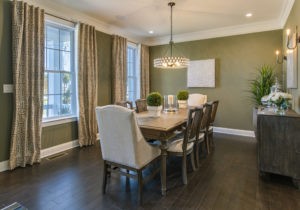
5, 78
293, 21
51, 135
237, 58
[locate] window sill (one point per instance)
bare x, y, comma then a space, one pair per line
59, 121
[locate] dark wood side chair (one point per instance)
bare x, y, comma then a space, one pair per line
127, 104
215, 105
184, 147
204, 126
141, 105
123, 146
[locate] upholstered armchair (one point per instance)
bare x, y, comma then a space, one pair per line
123, 145
197, 99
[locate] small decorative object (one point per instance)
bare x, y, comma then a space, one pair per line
170, 103
182, 97
154, 101
280, 101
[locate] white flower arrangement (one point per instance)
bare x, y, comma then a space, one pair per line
278, 98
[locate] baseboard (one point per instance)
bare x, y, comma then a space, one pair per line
59, 148
4, 166
237, 132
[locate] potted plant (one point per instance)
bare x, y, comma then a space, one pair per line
261, 85
182, 97
154, 101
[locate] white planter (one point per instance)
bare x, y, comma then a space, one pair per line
154, 111
182, 104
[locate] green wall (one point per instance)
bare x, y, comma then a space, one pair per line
51, 135
293, 21
237, 58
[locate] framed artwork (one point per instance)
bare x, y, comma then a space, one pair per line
201, 73
292, 67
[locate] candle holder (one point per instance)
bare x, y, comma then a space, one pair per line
170, 103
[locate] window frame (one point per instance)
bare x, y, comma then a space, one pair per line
50, 121
137, 72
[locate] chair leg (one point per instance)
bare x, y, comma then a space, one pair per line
184, 171
192, 156
140, 186
197, 155
104, 179
207, 143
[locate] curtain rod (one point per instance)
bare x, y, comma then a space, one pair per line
65, 19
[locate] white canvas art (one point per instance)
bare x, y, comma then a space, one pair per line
201, 73
292, 67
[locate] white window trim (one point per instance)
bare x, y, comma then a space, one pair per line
58, 121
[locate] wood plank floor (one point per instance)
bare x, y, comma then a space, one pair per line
227, 179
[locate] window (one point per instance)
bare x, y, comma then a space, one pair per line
133, 73
60, 82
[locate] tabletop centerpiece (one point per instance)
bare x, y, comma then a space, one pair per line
182, 97
154, 101
280, 101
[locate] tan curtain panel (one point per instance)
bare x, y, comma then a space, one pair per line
119, 68
28, 78
87, 85
145, 76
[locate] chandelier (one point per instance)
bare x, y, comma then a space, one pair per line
171, 62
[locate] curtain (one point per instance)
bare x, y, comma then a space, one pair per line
145, 83
28, 79
87, 85
119, 68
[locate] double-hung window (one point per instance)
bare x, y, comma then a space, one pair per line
60, 96
133, 72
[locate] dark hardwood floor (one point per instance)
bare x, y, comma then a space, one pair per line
227, 179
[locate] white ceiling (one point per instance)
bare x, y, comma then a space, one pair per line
191, 18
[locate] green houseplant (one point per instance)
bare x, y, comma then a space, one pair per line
182, 97
154, 101
261, 85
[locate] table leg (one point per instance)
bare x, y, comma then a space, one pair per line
163, 172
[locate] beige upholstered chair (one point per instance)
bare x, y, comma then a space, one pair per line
196, 99
123, 145
127, 104
141, 105
204, 126
184, 146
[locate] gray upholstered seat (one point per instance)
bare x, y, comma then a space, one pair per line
122, 144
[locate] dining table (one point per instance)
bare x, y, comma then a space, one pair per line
162, 128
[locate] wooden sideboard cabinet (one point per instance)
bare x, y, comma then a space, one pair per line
278, 143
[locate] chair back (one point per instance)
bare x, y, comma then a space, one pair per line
207, 109
197, 99
120, 137
127, 104
192, 126
141, 105
214, 111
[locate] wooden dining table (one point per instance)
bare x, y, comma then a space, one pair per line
162, 128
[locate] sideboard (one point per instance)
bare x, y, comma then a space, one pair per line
278, 143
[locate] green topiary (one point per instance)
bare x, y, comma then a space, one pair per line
154, 99
182, 95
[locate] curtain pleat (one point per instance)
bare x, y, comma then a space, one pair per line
145, 75
28, 78
119, 68
87, 85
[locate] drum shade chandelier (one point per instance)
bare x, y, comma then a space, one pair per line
171, 62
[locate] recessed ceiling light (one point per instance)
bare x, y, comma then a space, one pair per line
248, 15
151, 32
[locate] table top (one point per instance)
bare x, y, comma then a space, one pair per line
167, 121
270, 111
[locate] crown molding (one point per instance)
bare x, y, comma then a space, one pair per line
285, 12
218, 32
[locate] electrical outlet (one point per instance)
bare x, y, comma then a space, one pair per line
8, 88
